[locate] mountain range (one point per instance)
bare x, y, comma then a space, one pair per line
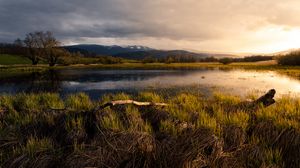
136, 52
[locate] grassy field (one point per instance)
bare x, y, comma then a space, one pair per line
42, 130
13, 59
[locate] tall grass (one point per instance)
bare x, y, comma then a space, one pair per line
79, 101
43, 130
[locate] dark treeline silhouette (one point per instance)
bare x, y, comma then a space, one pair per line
12, 49
191, 59
179, 59
256, 58
292, 58
77, 58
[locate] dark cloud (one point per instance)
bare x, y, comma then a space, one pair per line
110, 18
190, 22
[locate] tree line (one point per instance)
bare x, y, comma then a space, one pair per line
255, 58
191, 59
292, 58
43, 47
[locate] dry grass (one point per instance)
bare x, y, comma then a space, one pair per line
192, 131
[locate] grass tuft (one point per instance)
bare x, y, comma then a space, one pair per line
79, 101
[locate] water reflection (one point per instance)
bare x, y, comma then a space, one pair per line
34, 82
49, 81
97, 82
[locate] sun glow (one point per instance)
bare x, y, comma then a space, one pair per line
275, 39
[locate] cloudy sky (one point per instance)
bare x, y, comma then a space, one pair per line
254, 26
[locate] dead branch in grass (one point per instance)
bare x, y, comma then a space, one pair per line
124, 102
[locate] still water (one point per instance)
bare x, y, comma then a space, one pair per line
97, 82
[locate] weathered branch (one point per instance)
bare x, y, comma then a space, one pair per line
265, 100
137, 103
119, 102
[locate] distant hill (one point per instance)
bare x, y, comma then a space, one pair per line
136, 52
104, 50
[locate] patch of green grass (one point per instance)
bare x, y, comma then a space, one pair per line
150, 97
79, 101
136, 123
37, 102
209, 122
112, 122
169, 127
285, 113
6, 59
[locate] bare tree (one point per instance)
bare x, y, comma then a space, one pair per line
34, 46
43, 45
50, 45
54, 55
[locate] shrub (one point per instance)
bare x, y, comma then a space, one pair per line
226, 61
292, 58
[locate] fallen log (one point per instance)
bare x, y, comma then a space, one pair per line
124, 102
267, 99
263, 101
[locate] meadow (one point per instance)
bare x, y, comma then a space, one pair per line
44, 130
6, 59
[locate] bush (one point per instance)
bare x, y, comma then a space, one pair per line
226, 61
292, 58
148, 59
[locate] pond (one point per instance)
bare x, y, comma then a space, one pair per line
98, 82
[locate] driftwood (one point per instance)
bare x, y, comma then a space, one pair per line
263, 101
267, 99
120, 102
124, 102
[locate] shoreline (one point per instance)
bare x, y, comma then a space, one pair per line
293, 71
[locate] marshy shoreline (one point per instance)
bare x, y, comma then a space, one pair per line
293, 71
